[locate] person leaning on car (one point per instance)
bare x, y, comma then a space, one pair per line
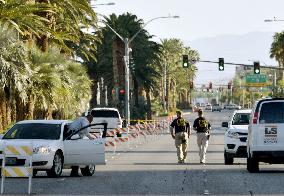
202, 127
81, 122
77, 125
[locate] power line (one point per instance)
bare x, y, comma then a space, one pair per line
242, 64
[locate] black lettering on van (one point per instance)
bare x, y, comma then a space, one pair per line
270, 131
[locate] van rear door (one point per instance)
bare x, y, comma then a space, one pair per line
111, 117
271, 126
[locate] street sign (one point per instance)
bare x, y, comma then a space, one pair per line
257, 80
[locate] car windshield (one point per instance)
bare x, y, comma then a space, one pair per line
272, 112
105, 113
241, 119
34, 131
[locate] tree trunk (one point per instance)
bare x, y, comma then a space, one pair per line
42, 41
30, 107
174, 94
136, 93
149, 111
2, 116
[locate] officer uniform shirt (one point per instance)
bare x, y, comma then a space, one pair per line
180, 125
201, 125
78, 124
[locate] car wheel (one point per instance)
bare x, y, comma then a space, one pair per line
252, 165
88, 170
228, 160
57, 166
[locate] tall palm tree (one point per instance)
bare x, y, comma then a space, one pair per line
111, 64
14, 73
177, 78
277, 50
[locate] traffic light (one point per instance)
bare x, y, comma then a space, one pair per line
121, 94
221, 64
191, 84
229, 85
256, 68
210, 85
185, 61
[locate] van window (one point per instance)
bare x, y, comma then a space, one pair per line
105, 113
272, 112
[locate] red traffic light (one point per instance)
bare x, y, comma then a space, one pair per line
229, 85
191, 84
210, 85
121, 91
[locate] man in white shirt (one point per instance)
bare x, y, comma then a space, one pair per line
81, 122
76, 125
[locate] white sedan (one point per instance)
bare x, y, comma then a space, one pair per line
54, 148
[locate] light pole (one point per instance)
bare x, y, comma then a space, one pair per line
273, 20
95, 6
127, 42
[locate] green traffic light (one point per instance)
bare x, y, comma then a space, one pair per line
185, 61
256, 67
221, 64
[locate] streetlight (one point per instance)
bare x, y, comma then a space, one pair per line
95, 6
273, 20
127, 42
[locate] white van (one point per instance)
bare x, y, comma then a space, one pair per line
110, 116
266, 133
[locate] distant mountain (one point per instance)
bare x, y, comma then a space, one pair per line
233, 48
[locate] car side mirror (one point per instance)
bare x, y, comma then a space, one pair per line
75, 137
225, 124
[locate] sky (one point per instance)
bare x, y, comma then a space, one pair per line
201, 19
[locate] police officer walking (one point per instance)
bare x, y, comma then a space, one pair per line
180, 131
202, 127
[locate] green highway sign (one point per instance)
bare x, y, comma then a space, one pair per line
257, 80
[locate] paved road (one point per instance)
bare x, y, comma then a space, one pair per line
153, 169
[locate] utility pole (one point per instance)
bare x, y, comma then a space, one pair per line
165, 87
126, 59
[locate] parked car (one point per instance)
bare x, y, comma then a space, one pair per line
107, 115
265, 134
232, 107
235, 140
208, 107
216, 107
54, 148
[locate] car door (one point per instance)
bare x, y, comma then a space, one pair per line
84, 151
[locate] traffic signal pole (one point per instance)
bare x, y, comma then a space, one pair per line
242, 64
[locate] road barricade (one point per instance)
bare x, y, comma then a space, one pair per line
144, 131
10, 155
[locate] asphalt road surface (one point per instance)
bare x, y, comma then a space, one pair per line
152, 169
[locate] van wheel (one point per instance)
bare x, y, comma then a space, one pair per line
228, 160
88, 170
252, 165
57, 166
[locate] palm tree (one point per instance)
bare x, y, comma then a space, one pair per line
110, 64
177, 78
277, 50
14, 73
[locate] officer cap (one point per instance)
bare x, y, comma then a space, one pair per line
178, 112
